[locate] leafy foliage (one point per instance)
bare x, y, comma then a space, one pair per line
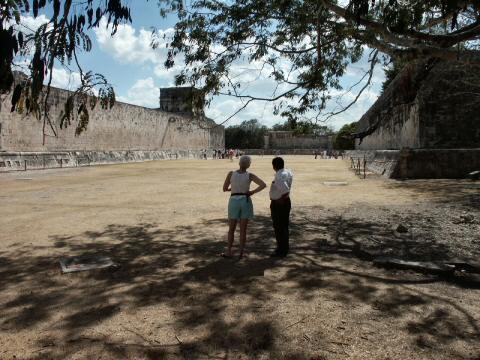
304, 46
391, 71
304, 128
344, 140
57, 41
318, 39
248, 135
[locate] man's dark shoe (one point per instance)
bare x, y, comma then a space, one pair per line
278, 255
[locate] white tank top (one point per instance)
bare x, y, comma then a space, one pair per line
240, 182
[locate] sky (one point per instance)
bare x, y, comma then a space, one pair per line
137, 72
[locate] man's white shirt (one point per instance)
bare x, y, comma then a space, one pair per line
282, 184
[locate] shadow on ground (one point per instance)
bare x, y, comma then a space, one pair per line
463, 193
177, 271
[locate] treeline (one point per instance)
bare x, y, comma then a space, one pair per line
250, 134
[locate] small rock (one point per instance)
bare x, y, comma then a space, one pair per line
402, 228
474, 175
467, 219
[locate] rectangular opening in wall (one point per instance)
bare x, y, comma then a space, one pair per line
17, 163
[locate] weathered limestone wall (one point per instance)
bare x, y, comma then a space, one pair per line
450, 107
426, 106
420, 163
400, 128
436, 163
124, 127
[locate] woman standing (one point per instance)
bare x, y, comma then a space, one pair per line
240, 207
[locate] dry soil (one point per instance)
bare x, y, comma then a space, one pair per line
172, 297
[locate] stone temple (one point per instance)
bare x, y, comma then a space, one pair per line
288, 141
426, 124
177, 129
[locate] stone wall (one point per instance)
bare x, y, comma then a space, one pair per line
124, 127
22, 161
278, 152
182, 99
288, 140
450, 107
426, 106
420, 163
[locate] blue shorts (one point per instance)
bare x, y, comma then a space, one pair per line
240, 207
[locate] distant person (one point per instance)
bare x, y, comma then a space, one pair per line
231, 153
315, 152
280, 206
240, 207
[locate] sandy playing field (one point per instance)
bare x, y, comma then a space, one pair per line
172, 297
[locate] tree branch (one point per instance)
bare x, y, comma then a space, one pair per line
465, 56
373, 62
442, 41
265, 99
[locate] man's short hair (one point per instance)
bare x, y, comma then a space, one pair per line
278, 163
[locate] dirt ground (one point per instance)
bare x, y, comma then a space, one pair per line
172, 297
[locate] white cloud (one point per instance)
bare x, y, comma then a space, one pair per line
143, 93
222, 107
166, 76
61, 78
129, 45
64, 79
29, 23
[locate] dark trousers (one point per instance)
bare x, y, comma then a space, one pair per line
280, 211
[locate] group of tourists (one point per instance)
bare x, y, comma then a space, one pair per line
328, 154
240, 206
221, 154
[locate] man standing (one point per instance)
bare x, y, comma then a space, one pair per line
280, 205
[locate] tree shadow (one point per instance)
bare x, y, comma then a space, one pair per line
207, 306
462, 193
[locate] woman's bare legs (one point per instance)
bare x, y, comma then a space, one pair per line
232, 225
243, 235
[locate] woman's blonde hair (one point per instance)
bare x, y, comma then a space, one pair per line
245, 161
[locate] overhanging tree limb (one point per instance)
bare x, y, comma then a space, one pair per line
442, 41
